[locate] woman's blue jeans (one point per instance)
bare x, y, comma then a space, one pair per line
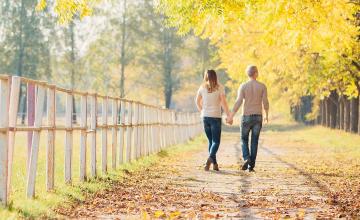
251, 123
212, 127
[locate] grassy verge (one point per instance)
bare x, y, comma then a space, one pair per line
331, 158
64, 194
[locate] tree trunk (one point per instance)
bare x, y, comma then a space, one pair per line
168, 66
337, 126
318, 118
328, 111
347, 114
323, 113
305, 108
21, 41
73, 66
359, 113
20, 63
341, 112
205, 56
354, 115
333, 108
358, 89
122, 55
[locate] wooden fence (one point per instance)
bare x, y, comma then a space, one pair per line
137, 130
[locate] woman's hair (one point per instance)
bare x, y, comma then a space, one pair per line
210, 81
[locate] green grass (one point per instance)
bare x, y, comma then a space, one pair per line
64, 194
323, 150
295, 134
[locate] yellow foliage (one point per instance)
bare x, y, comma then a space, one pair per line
301, 46
159, 214
174, 214
41, 5
67, 9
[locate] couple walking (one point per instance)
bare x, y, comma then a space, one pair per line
211, 98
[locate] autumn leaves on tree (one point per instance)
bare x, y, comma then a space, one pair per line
304, 48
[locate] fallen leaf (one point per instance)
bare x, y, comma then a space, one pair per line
159, 214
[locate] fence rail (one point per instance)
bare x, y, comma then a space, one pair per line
136, 130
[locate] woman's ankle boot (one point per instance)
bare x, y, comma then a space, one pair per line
207, 165
216, 167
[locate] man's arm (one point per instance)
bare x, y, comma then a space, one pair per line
265, 104
239, 101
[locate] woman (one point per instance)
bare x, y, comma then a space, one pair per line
209, 100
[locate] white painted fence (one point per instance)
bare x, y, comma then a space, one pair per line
137, 130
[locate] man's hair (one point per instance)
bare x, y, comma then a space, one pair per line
251, 70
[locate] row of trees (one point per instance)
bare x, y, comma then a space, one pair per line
303, 48
308, 51
335, 111
124, 48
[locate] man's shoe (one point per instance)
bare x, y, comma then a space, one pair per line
251, 169
216, 167
207, 165
245, 165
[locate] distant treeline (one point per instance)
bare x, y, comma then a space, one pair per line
336, 111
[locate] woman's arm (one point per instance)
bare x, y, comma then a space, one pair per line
224, 104
198, 101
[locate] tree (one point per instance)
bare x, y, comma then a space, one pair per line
122, 57
25, 44
283, 38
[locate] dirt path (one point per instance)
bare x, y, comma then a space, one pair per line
181, 188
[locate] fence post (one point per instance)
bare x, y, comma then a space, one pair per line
114, 132
4, 117
93, 120
30, 117
165, 132
158, 130
104, 135
174, 130
128, 131
144, 140
122, 131
149, 135
141, 131
136, 131
183, 133
50, 151
40, 96
68, 137
145, 135
163, 128
152, 129
13, 110
83, 134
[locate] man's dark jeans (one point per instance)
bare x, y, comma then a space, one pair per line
251, 123
212, 127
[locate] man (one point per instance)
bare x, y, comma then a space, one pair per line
255, 95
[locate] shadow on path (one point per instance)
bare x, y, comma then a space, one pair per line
284, 127
311, 178
230, 128
244, 181
268, 127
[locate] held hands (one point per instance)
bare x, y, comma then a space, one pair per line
229, 118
